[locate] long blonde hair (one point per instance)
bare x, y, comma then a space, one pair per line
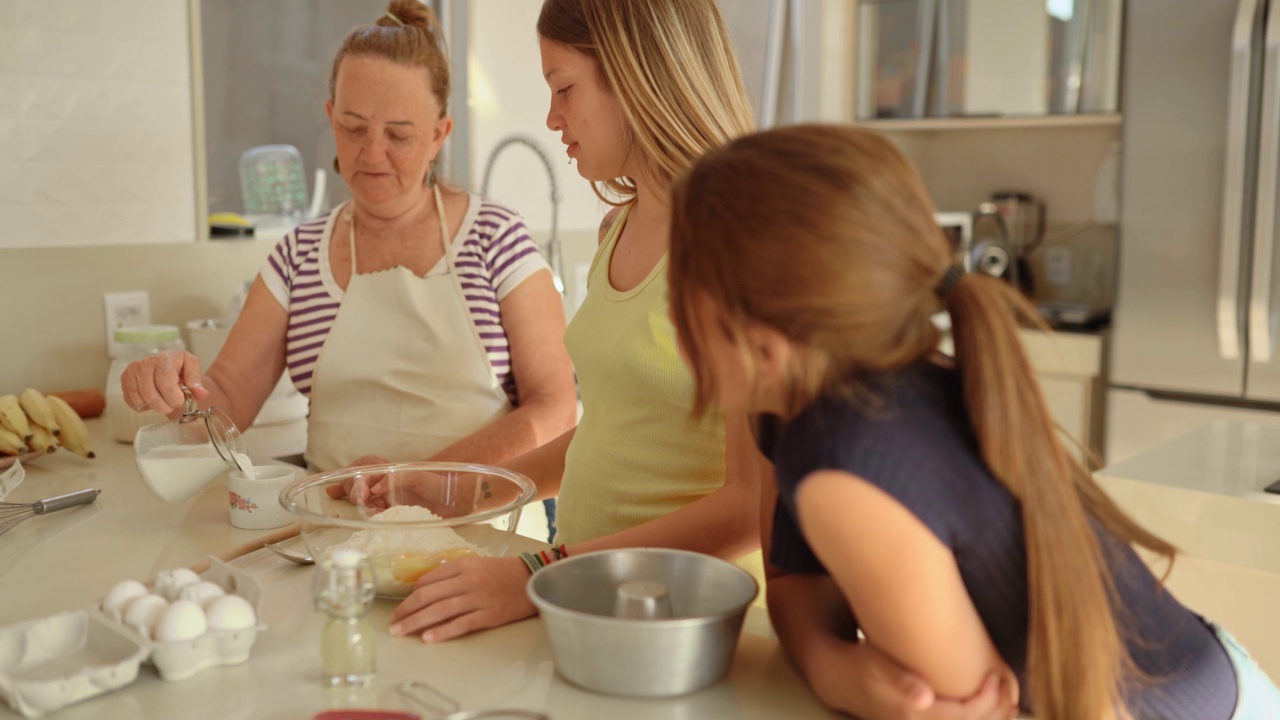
673, 68
826, 234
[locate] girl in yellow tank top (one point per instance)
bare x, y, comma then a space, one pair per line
636, 455
639, 90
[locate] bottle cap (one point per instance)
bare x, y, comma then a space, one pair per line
138, 334
346, 558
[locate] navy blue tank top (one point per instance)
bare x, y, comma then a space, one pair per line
910, 435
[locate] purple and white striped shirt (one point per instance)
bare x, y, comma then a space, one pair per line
496, 255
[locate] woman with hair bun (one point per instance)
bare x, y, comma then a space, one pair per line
420, 319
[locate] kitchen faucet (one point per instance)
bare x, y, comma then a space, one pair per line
554, 257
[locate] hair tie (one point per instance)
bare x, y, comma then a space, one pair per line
948, 281
395, 19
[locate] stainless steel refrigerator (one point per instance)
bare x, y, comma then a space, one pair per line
779, 48
1197, 312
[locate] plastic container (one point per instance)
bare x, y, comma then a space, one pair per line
48, 663
135, 343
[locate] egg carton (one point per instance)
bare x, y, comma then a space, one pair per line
55, 661
181, 660
51, 662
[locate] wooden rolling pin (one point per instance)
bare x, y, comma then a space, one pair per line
284, 533
87, 402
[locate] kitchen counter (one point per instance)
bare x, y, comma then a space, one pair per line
69, 559
1204, 493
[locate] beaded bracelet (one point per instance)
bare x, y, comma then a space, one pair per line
539, 560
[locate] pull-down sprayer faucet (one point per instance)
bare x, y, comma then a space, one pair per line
552, 246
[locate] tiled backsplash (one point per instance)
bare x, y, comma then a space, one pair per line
96, 135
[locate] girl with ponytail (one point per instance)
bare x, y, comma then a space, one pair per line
931, 493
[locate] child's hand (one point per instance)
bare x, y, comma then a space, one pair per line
464, 596
888, 691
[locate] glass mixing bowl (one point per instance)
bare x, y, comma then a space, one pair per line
409, 517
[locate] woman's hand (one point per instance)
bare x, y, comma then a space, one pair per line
364, 488
445, 493
858, 678
463, 596
153, 383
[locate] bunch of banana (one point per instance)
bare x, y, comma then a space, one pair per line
33, 421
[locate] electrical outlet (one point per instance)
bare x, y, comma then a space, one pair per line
123, 309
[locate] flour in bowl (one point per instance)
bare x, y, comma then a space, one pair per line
402, 555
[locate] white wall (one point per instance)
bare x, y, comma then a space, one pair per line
95, 123
508, 95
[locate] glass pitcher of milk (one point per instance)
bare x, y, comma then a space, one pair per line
178, 457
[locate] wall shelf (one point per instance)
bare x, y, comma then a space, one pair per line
991, 123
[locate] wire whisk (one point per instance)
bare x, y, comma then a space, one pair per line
13, 513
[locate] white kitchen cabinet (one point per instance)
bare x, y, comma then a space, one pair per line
1069, 367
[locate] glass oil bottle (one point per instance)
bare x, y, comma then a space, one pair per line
343, 589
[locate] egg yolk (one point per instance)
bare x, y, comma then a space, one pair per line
408, 567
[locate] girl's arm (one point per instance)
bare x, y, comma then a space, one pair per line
819, 633
477, 593
900, 580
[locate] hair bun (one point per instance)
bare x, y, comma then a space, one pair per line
411, 13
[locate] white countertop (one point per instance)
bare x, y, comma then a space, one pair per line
1233, 459
1203, 492
69, 559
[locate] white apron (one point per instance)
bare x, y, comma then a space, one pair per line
403, 373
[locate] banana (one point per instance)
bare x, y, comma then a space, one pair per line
75, 436
12, 418
42, 440
11, 444
38, 410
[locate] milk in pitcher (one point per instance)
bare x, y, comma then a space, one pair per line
177, 472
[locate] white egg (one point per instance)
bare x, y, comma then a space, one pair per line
143, 612
183, 620
169, 583
201, 593
120, 595
231, 612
